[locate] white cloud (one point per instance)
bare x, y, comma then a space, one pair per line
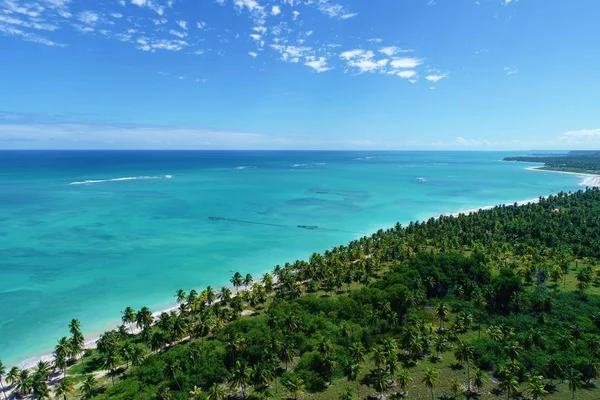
510, 70
116, 15
333, 10
436, 77
88, 17
349, 54
150, 44
318, 64
275, 10
389, 50
406, 62
295, 14
407, 74
253, 54
201, 25
182, 24
181, 35
292, 54
582, 136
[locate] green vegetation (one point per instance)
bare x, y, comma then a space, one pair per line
575, 161
497, 304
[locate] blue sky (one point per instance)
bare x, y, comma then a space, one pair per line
299, 74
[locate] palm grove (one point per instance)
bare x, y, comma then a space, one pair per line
502, 302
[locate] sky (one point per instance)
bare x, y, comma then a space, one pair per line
300, 74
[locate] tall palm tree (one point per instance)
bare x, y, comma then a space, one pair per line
536, 388
430, 378
2, 373
380, 380
210, 295
479, 379
181, 296
351, 370
43, 368
215, 392
126, 352
138, 354
464, 354
286, 354
128, 317
295, 385
442, 313
575, 381
404, 380
247, 280
510, 384
171, 370
237, 281
357, 352
24, 383
144, 318
13, 375
88, 386
225, 294
64, 388
110, 362
74, 326
240, 377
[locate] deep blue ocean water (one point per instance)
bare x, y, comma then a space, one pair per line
85, 234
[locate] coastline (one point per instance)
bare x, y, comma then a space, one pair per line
590, 180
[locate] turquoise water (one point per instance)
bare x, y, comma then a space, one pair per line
76, 249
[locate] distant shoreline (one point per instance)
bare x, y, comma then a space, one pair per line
593, 180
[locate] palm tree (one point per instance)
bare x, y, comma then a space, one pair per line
43, 368
13, 375
128, 317
247, 280
60, 362
215, 392
236, 281
240, 377
536, 388
210, 295
380, 380
225, 294
464, 354
357, 352
286, 354
40, 387
267, 281
510, 384
430, 379
110, 362
479, 379
126, 352
74, 326
64, 388
351, 370
2, 373
88, 386
181, 296
24, 383
442, 313
171, 370
455, 387
575, 380
144, 318
138, 355
294, 385
440, 345
404, 380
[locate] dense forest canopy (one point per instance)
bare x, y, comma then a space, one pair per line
496, 304
574, 161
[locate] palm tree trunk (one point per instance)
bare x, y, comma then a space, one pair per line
468, 377
178, 385
573, 396
432, 394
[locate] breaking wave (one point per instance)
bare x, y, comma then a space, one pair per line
126, 178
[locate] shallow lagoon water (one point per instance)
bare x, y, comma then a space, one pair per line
85, 234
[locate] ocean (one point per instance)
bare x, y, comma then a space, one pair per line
85, 234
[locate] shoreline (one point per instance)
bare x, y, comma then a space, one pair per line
590, 180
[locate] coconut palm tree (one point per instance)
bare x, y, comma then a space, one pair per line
404, 380
351, 370
294, 385
181, 296
215, 392
479, 379
509, 383
171, 370
261, 376
88, 386
575, 381
144, 318
225, 294
24, 383
43, 368
128, 318
237, 281
536, 388
455, 387
267, 281
464, 354
110, 362
430, 378
74, 326
442, 313
64, 388
380, 380
286, 354
240, 377
126, 352
13, 375
357, 352
138, 355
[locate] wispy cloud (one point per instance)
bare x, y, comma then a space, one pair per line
511, 70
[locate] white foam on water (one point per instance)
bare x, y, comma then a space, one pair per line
126, 178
